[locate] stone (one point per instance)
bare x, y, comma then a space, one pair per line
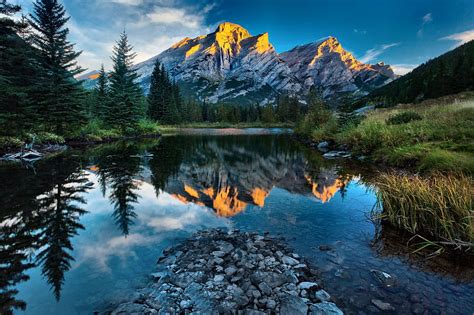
226, 247
322, 296
218, 278
253, 312
185, 304
293, 305
265, 288
325, 248
325, 308
218, 253
289, 261
323, 146
307, 285
230, 270
383, 278
271, 304
383, 305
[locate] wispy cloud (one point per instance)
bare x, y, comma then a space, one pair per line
373, 53
460, 38
402, 69
359, 31
427, 18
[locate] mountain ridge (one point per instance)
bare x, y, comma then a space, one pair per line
230, 65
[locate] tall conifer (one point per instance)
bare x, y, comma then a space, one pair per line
62, 94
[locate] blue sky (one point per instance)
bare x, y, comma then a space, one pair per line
403, 33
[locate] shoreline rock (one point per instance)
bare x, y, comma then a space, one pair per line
220, 272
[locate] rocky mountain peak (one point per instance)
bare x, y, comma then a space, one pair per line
232, 65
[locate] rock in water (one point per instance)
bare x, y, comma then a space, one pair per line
325, 308
383, 305
249, 278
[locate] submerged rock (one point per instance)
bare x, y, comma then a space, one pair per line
248, 279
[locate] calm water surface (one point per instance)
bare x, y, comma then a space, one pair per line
81, 230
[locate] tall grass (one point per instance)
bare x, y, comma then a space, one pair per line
438, 208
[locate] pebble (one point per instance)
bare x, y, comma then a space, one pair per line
250, 273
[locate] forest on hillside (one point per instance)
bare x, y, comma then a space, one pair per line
450, 73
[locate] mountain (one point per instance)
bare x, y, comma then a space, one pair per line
232, 66
325, 64
226, 65
450, 73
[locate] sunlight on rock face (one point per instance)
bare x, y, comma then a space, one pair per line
191, 51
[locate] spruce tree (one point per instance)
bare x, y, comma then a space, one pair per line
102, 93
18, 74
125, 94
156, 106
62, 94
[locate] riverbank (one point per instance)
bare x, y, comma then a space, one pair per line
215, 271
33, 152
435, 135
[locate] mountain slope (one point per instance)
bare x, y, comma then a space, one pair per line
325, 64
226, 65
449, 73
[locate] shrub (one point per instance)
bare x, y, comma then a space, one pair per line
48, 137
146, 126
403, 118
10, 142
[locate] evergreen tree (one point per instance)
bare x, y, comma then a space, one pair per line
156, 106
62, 94
125, 94
18, 74
102, 94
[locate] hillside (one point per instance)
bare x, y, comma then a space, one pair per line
450, 73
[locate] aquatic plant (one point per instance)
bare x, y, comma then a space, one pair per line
436, 209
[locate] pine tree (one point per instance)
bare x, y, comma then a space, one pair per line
62, 94
125, 94
18, 74
156, 106
102, 94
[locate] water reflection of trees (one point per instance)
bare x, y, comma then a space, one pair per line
117, 167
39, 212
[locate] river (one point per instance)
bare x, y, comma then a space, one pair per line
81, 230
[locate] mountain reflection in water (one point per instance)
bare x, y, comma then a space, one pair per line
90, 224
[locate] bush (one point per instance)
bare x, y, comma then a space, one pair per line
10, 142
47, 137
403, 118
146, 126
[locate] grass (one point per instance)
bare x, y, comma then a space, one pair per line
439, 138
437, 208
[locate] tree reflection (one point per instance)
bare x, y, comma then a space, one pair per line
39, 211
118, 166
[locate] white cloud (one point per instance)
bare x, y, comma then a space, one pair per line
152, 26
127, 2
402, 69
427, 18
460, 38
358, 31
371, 54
